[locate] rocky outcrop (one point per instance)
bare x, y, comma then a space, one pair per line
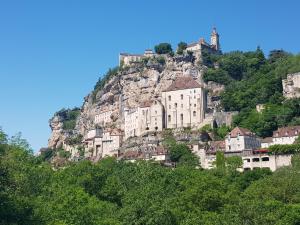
128, 88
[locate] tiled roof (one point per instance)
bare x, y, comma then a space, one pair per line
287, 131
238, 131
181, 83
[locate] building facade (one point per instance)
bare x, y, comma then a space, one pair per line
147, 117
184, 103
103, 117
127, 58
241, 139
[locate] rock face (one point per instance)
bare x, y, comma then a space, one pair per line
58, 134
291, 86
128, 88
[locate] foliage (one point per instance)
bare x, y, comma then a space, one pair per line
181, 47
111, 192
284, 149
74, 140
69, 117
163, 48
272, 117
102, 81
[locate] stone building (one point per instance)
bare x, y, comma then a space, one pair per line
147, 117
184, 103
286, 135
241, 139
100, 143
127, 58
251, 159
198, 47
103, 117
291, 86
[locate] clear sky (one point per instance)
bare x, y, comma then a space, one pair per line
53, 52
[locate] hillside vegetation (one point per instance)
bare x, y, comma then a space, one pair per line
252, 79
112, 192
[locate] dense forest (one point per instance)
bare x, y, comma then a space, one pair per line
112, 192
250, 79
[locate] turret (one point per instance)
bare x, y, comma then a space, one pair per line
214, 39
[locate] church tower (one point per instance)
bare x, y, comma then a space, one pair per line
214, 39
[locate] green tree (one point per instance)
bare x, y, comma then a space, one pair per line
163, 48
181, 47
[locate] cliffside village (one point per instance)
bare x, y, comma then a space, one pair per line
183, 105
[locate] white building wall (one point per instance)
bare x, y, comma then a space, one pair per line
103, 117
284, 140
183, 108
272, 162
241, 143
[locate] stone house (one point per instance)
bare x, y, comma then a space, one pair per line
241, 139
184, 103
100, 143
286, 135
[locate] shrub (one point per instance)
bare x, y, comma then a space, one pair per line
163, 48
181, 47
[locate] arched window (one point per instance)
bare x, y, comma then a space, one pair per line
194, 113
181, 97
169, 118
169, 97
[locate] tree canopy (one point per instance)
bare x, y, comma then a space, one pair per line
112, 192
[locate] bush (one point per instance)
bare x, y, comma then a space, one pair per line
163, 48
181, 47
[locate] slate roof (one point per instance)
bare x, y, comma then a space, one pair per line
181, 83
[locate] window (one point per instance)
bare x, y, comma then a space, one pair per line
181, 117
169, 118
255, 160
169, 97
169, 106
265, 159
195, 105
181, 97
155, 112
175, 105
194, 113
181, 105
246, 160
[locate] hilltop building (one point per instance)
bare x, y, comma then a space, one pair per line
184, 103
127, 58
291, 86
198, 47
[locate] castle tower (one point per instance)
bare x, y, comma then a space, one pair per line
214, 39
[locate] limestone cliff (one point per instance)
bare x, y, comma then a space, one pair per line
130, 86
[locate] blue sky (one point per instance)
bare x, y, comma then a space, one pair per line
53, 52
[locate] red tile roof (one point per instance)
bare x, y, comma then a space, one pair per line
181, 83
287, 132
238, 131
